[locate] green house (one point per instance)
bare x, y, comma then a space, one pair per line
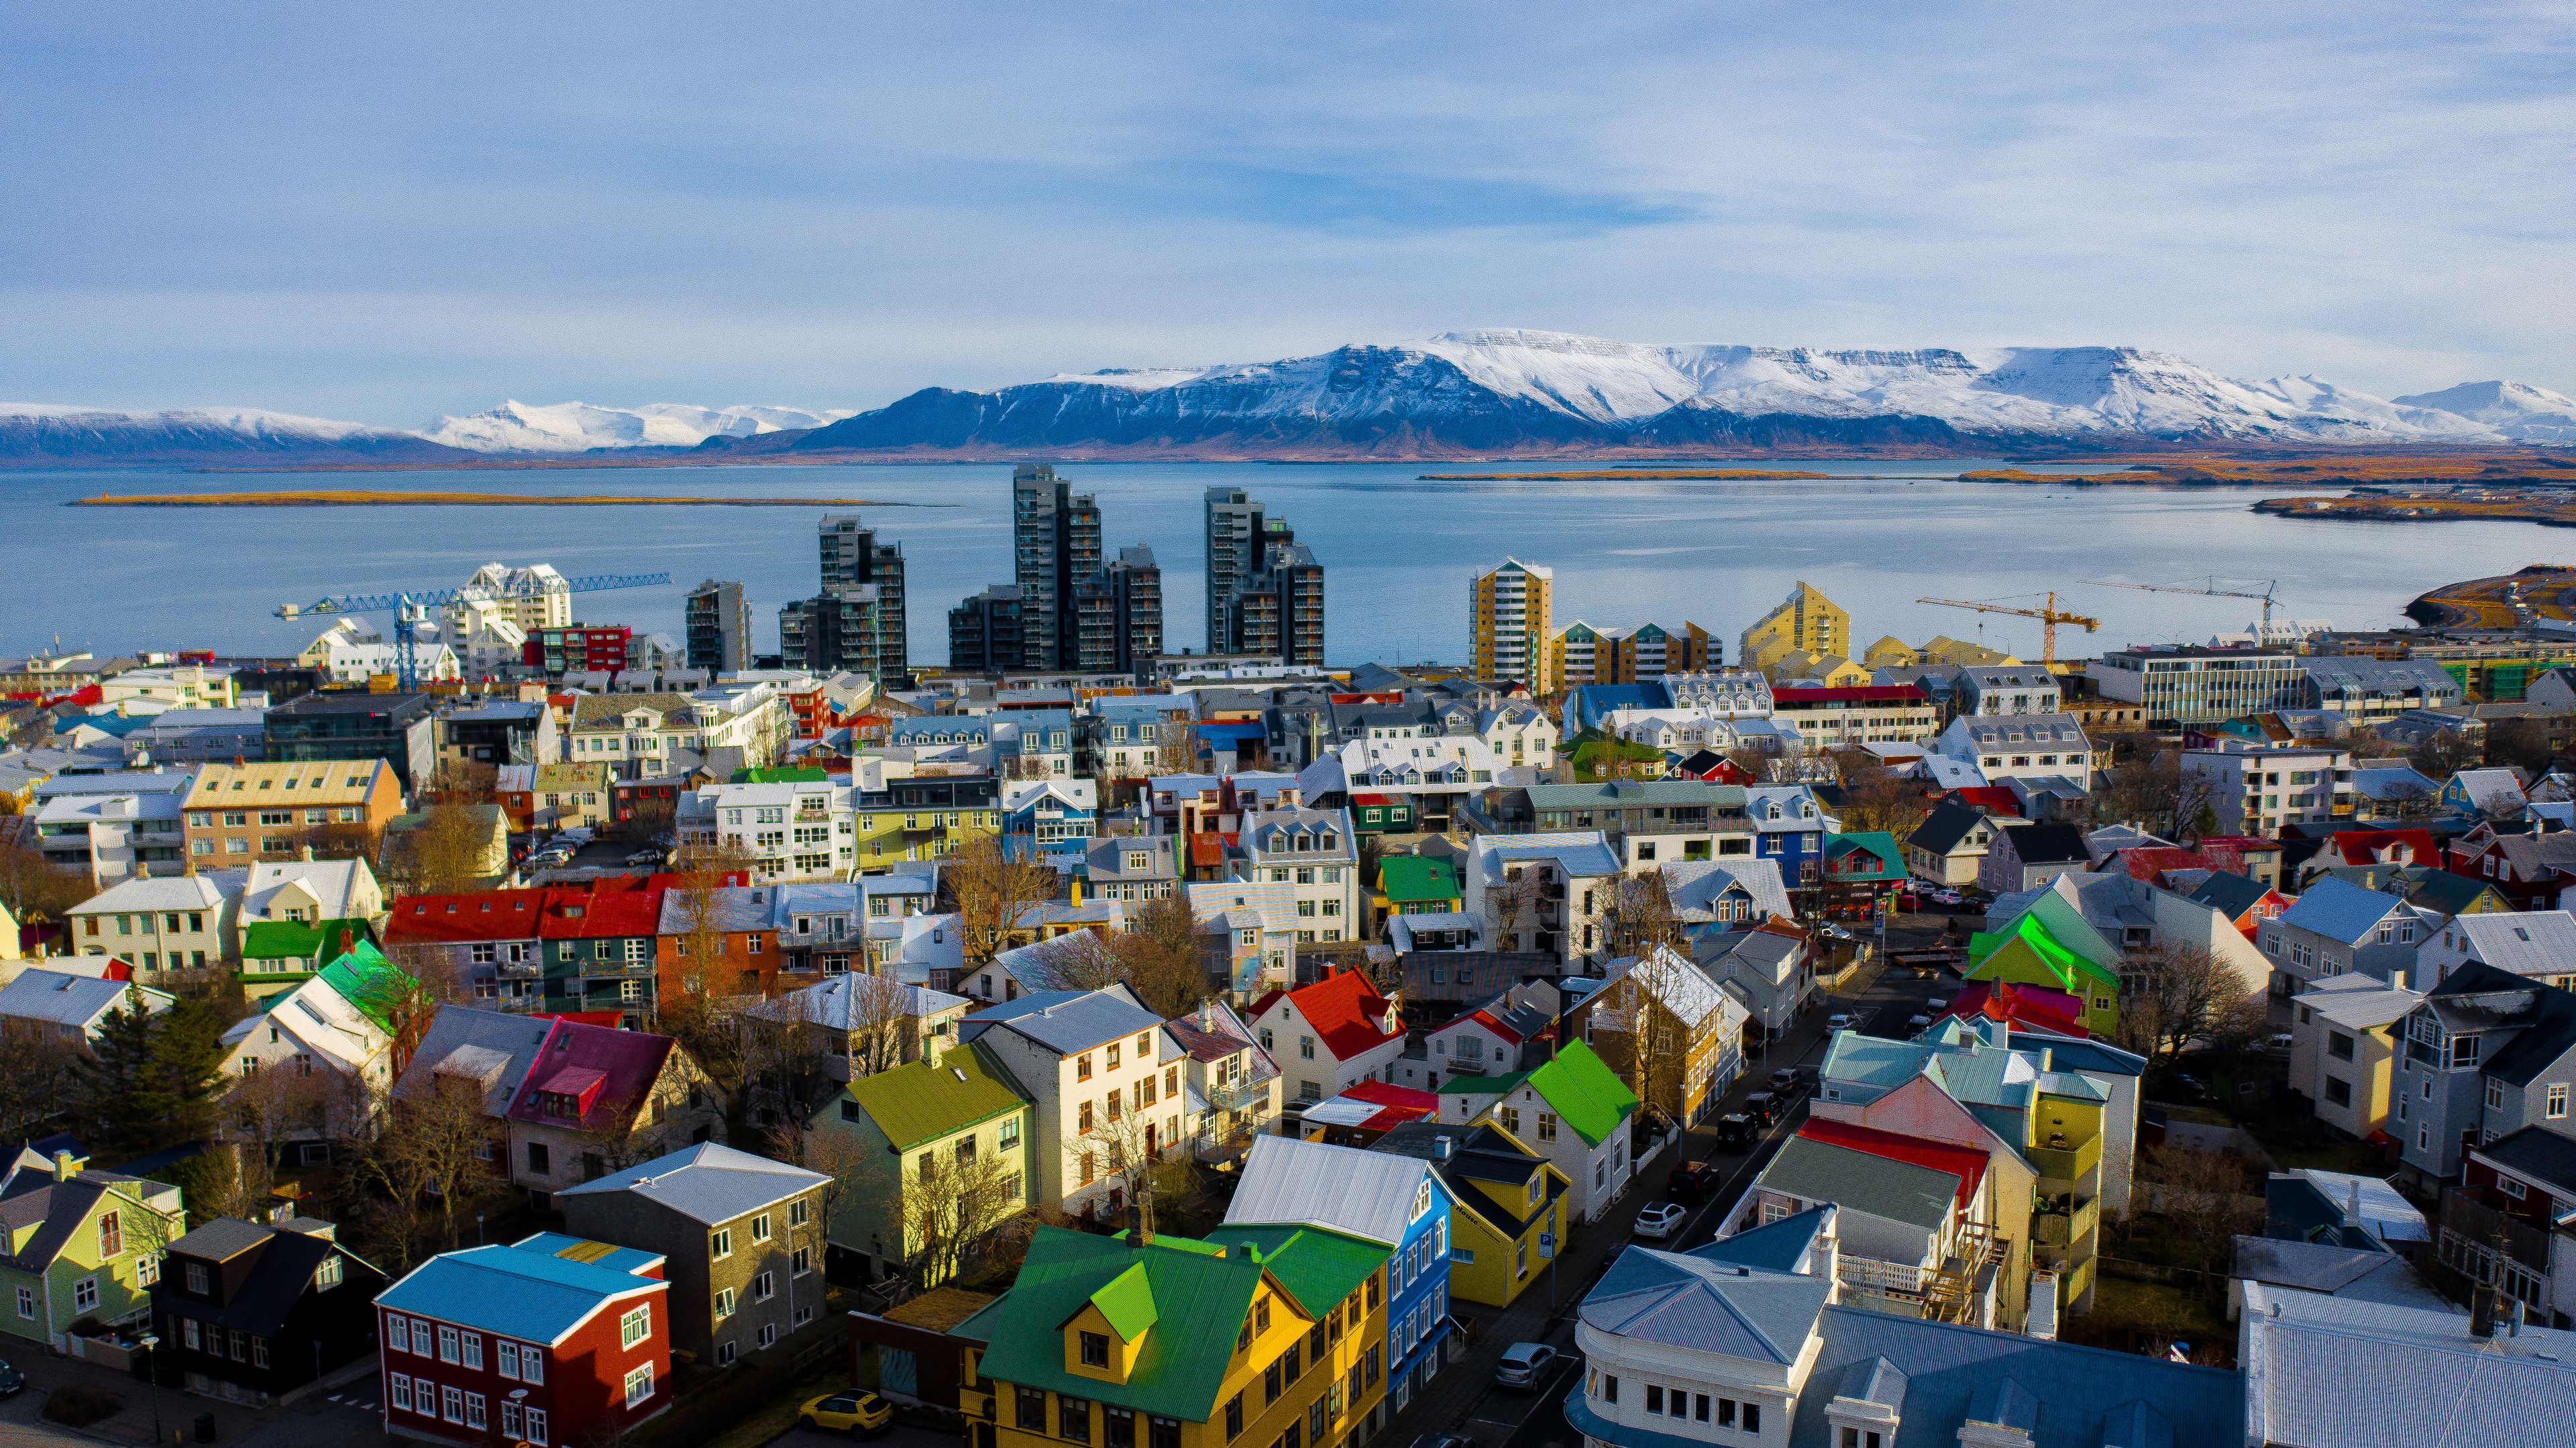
83, 1245
2051, 945
918, 1123
1863, 859
1416, 885
279, 955
1382, 814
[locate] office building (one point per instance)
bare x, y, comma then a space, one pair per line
1118, 616
2196, 685
718, 625
1055, 546
1508, 632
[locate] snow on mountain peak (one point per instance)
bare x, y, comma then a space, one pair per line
575, 427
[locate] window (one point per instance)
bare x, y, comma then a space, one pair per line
2511, 1188
724, 1304
532, 1367
2495, 1094
401, 1381
1072, 1419
1547, 1126
85, 1295
639, 1384
1270, 1384
1030, 1411
803, 1261
506, 1360
1233, 1417
760, 1228
1082, 1067
474, 1410
1010, 1135
2339, 1092
446, 1344
763, 1287
451, 1404
720, 1243
1610, 1387
474, 1351
188, 1331
634, 1327
1095, 1350
799, 1212
2557, 1102
2339, 1045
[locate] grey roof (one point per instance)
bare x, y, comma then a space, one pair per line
2227, 891
1584, 854
221, 1238
2361, 1006
708, 1182
66, 999
737, 907
1365, 1194
1775, 1246
490, 1047
2340, 910
1692, 884
1692, 1303
841, 1003
1995, 731
1066, 1021
2526, 942
1620, 793
2048, 844
2063, 1395
2369, 1274
2334, 1372
1949, 823
1858, 1181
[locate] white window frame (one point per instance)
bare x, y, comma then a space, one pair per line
639, 1384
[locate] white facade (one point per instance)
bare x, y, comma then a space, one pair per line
1314, 853
793, 830
2255, 789
2019, 746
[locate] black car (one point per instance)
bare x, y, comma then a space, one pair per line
1692, 1181
1735, 1131
1764, 1107
12, 1381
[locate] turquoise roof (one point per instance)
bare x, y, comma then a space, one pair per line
528, 1290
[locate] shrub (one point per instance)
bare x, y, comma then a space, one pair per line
78, 1406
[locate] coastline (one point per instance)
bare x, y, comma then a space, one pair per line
374, 499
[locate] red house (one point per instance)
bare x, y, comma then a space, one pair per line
577, 648
548, 1340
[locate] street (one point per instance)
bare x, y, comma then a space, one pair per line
1464, 1399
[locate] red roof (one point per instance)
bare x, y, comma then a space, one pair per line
1207, 849
2034, 1007
1964, 1162
2389, 847
1377, 800
588, 915
1848, 694
1345, 1009
443, 919
1991, 797
625, 1065
609, 1019
2149, 863
1385, 1093
2240, 843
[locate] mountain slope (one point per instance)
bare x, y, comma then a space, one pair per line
2512, 409
574, 427
49, 434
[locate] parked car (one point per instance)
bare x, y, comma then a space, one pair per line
1735, 1131
1523, 1364
644, 857
1838, 1021
1918, 1023
2281, 1040
1937, 1004
1764, 1107
1693, 1180
1660, 1220
12, 1381
1785, 1081
861, 1415
1943, 894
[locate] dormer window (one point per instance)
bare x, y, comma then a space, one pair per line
1095, 1349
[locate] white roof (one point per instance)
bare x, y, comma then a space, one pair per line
1341, 1111
2384, 1209
68, 998
1672, 980
708, 1182
333, 882
1365, 1194
162, 892
324, 1021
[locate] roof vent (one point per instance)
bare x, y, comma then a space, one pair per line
957, 1071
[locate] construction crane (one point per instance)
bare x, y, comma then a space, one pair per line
2049, 615
2211, 589
411, 610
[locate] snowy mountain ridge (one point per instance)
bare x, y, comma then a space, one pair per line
574, 427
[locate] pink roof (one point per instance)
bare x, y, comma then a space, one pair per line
625, 1064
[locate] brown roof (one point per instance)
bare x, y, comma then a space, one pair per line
940, 1309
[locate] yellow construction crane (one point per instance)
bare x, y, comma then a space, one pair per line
2049, 615
2211, 589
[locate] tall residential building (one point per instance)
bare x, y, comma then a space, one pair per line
984, 632
1508, 633
857, 623
1234, 535
718, 626
1277, 609
1055, 546
1118, 616
2193, 685
1581, 654
1805, 622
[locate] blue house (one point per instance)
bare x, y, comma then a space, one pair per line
1397, 1202
1049, 817
1788, 826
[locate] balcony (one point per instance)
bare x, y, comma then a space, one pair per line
1241, 1096
2068, 1164
2064, 1223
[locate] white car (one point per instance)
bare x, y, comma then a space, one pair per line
1838, 1021
1660, 1220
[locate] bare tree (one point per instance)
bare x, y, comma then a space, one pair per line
1641, 916
2441, 754
448, 852
2411, 804
882, 1027
1876, 797
786, 1067
1511, 903
1132, 1153
951, 1208
1175, 745
34, 889
2174, 995
2153, 792
1643, 1039
270, 1107
2210, 1197
36, 1079
1161, 957
991, 893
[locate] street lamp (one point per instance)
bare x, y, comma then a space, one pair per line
149, 1342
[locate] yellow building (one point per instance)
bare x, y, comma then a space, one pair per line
1806, 621
1249, 1337
1891, 652
1508, 1196
1508, 629
1944, 649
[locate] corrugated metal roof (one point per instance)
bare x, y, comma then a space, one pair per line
708, 1182
1366, 1194
524, 1291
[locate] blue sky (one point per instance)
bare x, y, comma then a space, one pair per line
389, 212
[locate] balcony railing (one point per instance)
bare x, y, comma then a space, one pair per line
1241, 1096
2067, 1224
2068, 1164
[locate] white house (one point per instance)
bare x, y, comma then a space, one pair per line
1329, 1036
1103, 1077
2019, 746
2539, 944
1316, 854
163, 923
315, 1034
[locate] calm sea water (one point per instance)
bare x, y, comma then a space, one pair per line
1399, 550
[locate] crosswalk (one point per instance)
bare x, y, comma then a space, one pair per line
362, 1402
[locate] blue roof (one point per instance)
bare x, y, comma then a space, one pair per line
2065, 1396
1066, 1020
2339, 909
526, 1290
2066, 1053
1240, 729
1779, 1245
1698, 1305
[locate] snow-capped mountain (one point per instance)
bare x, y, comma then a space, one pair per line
1551, 392
52, 433
2514, 409
573, 427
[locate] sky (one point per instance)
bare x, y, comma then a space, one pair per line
388, 212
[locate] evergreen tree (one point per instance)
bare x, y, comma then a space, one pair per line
187, 1057
117, 1092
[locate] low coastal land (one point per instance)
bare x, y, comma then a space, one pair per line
374, 498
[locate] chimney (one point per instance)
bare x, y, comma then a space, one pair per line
1442, 1146
2482, 1312
66, 1166
349, 942
307, 852
1137, 1232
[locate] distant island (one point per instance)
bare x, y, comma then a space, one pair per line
373, 498
1594, 475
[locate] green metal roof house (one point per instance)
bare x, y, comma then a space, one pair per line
964, 1111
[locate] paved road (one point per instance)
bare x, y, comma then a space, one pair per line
896, 1435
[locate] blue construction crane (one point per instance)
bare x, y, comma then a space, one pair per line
410, 610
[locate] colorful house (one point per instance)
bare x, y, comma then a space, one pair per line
1397, 1205
1507, 1210
1572, 1109
1253, 1339
963, 1111
1866, 862
82, 1245
279, 955
1415, 885
1381, 814
2051, 945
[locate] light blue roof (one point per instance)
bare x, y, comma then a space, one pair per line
1776, 1246
1583, 854
2340, 910
1702, 1306
524, 1290
707, 1182
2066, 1053
1066, 1020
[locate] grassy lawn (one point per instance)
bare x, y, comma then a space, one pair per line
1598, 753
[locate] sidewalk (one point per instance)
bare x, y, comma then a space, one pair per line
131, 1423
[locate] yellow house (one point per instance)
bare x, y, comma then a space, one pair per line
1692, 1047
1805, 622
1253, 1336
890, 833
1508, 1196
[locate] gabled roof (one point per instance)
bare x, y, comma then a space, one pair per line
1585, 1092
1694, 885
2526, 942
708, 1182
1777, 1246
2048, 844
2353, 1374
624, 1063
2032, 1006
600, 915
538, 1289
2340, 910
65, 998
1065, 1021
1943, 830
282, 1262
489, 915
854, 1001
491, 1049
1346, 1009
1858, 1180
2028, 931
2230, 893
1364, 1194
1688, 1302
1878, 844
925, 1100
2537, 1154
1966, 1163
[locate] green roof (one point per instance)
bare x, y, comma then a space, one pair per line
300, 939
1198, 1302
1318, 1267
1127, 1300
1407, 878
1891, 856
781, 774
923, 1102
1580, 1085
375, 985
2027, 930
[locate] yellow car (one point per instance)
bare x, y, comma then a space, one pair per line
864, 1415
